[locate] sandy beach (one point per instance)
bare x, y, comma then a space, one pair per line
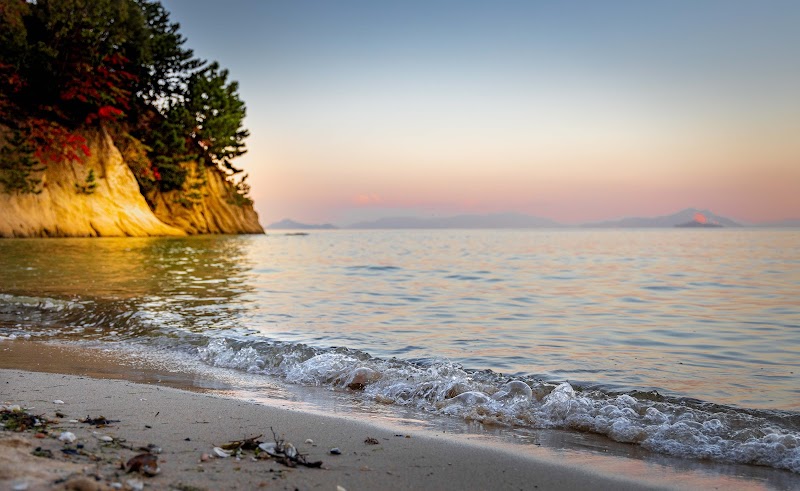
186, 427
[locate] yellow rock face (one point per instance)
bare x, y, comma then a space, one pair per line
211, 209
116, 207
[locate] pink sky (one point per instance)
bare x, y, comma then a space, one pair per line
573, 111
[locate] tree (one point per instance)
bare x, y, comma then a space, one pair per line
66, 65
216, 115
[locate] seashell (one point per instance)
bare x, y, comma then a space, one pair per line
309, 441
58, 401
221, 453
67, 437
289, 450
269, 447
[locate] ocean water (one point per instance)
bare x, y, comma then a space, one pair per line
683, 342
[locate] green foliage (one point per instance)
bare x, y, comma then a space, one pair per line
163, 74
135, 154
89, 184
18, 170
215, 115
69, 64
241, 192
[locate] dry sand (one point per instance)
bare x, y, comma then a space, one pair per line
187, 425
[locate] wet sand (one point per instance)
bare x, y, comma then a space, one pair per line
436, 456
187, 425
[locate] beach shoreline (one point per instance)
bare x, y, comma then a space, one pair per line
186, 426
33, 374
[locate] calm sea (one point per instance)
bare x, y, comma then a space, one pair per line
686, 342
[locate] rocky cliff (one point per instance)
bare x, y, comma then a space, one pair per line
69, 205
207, 205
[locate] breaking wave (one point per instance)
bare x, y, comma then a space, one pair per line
674, 426
677, 427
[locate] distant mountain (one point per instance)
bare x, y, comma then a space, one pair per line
682, 218
287, 224
491, 221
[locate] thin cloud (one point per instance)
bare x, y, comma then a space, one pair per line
367, 199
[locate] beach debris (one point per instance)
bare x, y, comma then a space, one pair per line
99, 421
14, 418
42, 452
282, 451
135, 484
58, 401
371, 441
145, 463
335, 451
150, 448
286, 453
220, 453
67, 437
247, 444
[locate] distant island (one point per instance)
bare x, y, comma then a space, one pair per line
687, 218
287, 224
690, 217
490, 221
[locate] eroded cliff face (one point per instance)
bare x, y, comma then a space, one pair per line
206, 205
115, 207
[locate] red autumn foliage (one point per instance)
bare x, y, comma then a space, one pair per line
55, 144
105, 88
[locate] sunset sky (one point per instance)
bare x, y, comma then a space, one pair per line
571, 110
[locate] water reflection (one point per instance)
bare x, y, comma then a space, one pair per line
126, 287
692, 313
119, 268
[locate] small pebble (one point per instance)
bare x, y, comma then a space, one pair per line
340, 488
39, 435
67, 437
58, 401
106, 438
205, 457
335, 451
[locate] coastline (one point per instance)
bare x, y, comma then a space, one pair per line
442, 454
186, 425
